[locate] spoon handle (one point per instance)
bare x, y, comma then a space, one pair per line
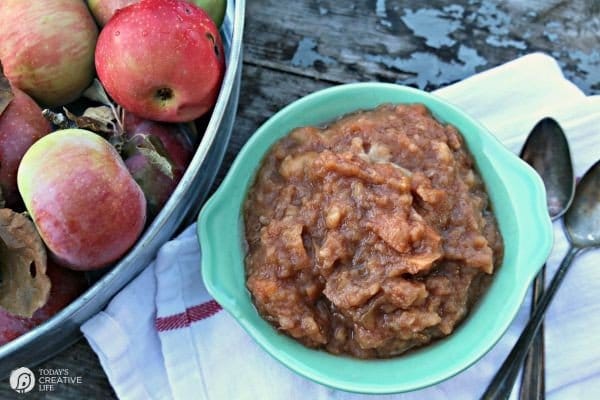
502, 384
533, 385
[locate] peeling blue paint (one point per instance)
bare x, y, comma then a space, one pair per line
551, 36
455, 11
498, 23
430, 70
380, 9
550, 30
433, 25
306, 54
589, 65
491, 17
381, 12
497, 41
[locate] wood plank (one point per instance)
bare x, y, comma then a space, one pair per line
425, 44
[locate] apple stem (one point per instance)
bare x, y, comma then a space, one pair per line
58, 119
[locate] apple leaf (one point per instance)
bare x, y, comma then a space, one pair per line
97, 93
6, 94
152, 148
24, 285
98, 119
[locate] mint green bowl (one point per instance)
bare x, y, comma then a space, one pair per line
519, 202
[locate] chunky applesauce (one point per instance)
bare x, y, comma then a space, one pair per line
370, 236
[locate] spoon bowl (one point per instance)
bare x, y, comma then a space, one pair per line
582, 220
547, 151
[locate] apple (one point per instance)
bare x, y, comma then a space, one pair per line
86, 206
215, 9
66, 286
156, 185
21, 124
103, 10
161, 60
47, 48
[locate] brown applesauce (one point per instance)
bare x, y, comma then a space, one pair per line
370, 236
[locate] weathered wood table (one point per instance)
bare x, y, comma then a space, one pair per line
292, 48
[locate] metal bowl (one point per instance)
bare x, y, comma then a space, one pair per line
62, 330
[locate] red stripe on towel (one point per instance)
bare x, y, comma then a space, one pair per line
185, 319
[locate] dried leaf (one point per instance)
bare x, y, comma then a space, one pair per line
6, 94
97, 93
159, 161
24, 285
98, 119
102, 113
151, 147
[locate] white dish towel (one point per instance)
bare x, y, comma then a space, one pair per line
163, 337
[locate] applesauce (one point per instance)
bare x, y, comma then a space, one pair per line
369, 236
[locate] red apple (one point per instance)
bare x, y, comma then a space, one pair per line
103, 10
21, 124
86, 206
157, 185
162, 60
47, 48
66, 286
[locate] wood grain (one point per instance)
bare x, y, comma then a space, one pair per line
294, 48
426, 44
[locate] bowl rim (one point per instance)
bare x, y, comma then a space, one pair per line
505, 164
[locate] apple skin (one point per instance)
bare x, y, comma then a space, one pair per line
47, 48
103, 10
157, 186
86, 206
66, 286
21, 124
215, 8
162, 60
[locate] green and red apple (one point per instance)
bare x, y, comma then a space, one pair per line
103, 10
86, 206
162, 60
47, 48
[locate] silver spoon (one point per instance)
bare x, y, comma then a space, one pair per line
547, 151
582, 223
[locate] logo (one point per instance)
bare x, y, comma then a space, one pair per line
22, 380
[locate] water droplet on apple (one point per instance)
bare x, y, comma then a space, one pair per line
117, 33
